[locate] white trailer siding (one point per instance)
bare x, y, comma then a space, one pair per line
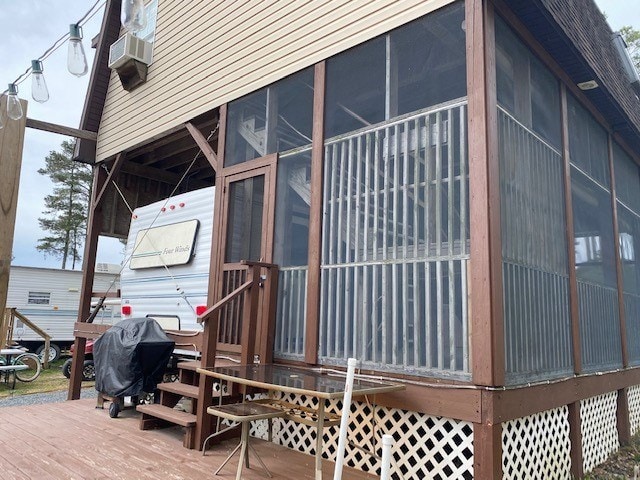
50, 298
208, 53
174, 290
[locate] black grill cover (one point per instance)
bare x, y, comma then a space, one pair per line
131, 357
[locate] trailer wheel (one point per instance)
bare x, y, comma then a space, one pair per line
54, 352
88, 371
114, 409
66, 368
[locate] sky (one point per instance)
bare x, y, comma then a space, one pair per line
29, 28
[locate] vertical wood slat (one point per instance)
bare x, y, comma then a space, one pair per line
484, 190
385, 331
418, 347
315, 218
450, 241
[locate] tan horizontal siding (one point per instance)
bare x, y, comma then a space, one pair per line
208, 53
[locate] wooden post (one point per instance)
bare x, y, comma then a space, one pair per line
250, 313
487, 450
94, 224
210, 331
315, 219
616, 241
575, 438
487, 324
571, 253
622, 418
11, 143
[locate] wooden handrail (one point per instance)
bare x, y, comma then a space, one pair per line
221, 303
258, 264
37, 330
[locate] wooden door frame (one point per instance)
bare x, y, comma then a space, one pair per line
263, 166
266, 166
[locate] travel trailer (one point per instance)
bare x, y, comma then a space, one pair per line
166, 270
49, 297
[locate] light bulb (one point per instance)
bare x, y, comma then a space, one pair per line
14, 107
76, 59
39, 91
132, 15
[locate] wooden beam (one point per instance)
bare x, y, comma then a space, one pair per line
112, 174
486, 317
11, 143
315, 218
207, 150
61, 129
158, 174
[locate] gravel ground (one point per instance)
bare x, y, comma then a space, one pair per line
50, 397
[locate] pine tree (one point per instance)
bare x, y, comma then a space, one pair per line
65, 214
632, 37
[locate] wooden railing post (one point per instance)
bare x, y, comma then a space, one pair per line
250, 311
265, 348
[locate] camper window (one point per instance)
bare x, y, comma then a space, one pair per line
39, 298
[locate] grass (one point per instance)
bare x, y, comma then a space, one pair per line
49, 380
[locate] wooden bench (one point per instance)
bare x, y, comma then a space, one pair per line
11, 369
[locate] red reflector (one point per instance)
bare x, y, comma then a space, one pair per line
200, 309
172, 207
163, 209
181, 204
126, 310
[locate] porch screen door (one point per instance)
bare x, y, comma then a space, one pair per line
247, 234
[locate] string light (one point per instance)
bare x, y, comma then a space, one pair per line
76, 59
12, 91
39, 90
14, 107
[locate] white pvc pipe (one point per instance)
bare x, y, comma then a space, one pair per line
387, 443
344, 422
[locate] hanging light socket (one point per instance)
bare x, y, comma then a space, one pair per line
39, 91
14, 107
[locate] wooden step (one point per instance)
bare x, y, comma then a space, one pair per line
158, 416
182, 389
178, 417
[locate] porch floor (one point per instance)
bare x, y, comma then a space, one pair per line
75, 440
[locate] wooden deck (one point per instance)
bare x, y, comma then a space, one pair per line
73, 440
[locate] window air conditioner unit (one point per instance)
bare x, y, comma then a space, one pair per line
128, 48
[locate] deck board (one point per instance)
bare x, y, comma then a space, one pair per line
76, 440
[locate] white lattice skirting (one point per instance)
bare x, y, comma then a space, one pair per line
598, 425
425, 446
537, 446
633, 396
